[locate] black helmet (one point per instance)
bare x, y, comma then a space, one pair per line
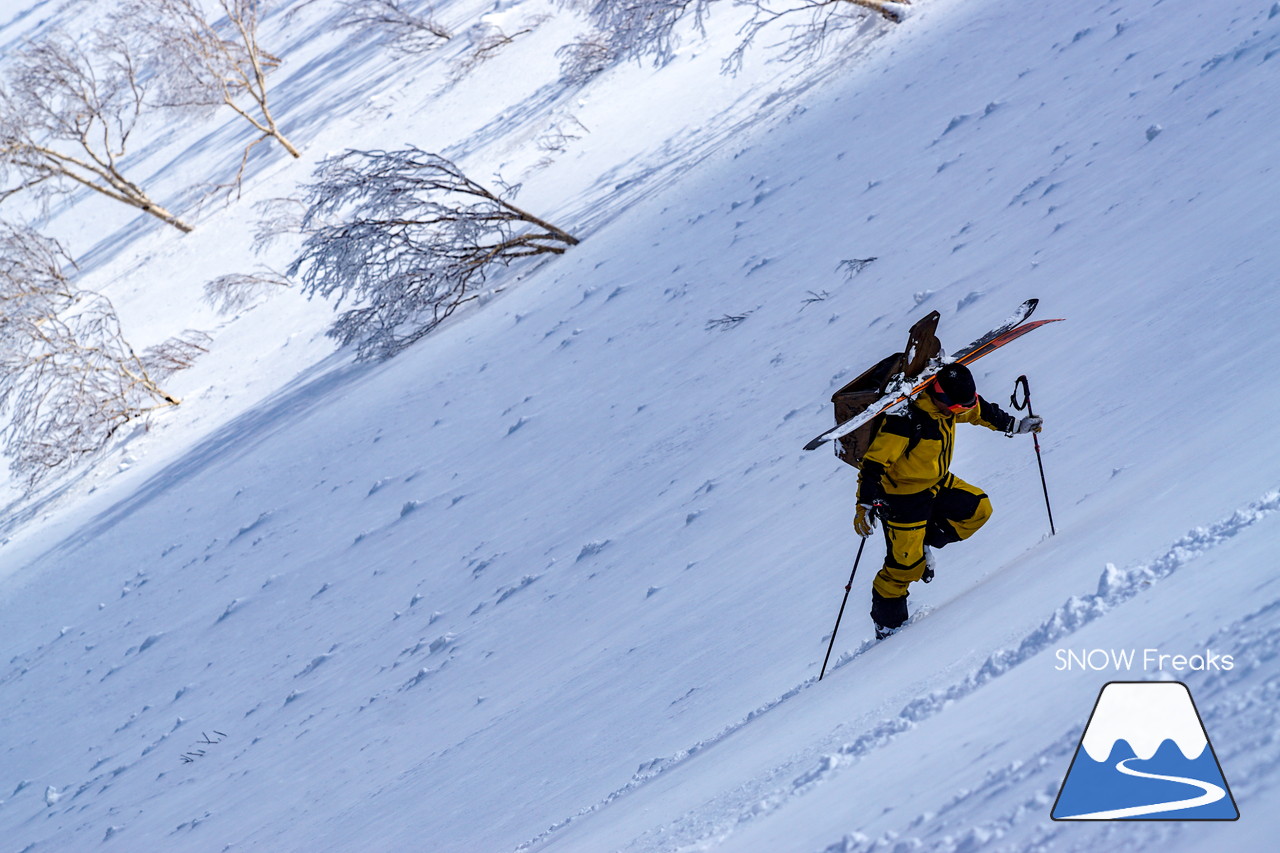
953, 388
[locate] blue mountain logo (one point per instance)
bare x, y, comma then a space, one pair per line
1145, 755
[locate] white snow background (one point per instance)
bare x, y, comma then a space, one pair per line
560, 577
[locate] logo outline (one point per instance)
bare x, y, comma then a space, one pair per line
1154, 819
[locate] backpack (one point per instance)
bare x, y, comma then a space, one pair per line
871, 385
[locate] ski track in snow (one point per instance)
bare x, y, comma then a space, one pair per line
762, 796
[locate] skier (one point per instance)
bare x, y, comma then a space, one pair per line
905, 481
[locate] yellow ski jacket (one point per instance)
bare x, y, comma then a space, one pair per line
911, 452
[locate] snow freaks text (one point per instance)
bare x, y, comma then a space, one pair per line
1149, 660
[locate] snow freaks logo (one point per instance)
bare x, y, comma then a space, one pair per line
1150, 660
1145, 755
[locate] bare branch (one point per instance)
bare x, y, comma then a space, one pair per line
409, 238
813, 298
237, 291
590, 55
653, 29
487, 41
66, 118
815, 23
204, 64
178, 353
728, 321
563, 131
407, 33
639, 29
68, 379
277, 217
853, 266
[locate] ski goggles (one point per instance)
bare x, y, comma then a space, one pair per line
946, 403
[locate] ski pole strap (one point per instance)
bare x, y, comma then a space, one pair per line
1021, 383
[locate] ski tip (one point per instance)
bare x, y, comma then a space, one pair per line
815, 444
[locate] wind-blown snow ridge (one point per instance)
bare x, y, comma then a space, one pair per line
1021, 774
1234, 706
1115, 587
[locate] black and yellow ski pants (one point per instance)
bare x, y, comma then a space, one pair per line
949, 512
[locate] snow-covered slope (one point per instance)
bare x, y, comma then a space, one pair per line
560, 577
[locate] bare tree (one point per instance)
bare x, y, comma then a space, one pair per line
236, 291
277, 217
408, 32
32, 282
67, 115
68, 379
816, 22
487, 41
638, 29
410, 238
583, 59
177, 353
564, 130
207, 64
651, 29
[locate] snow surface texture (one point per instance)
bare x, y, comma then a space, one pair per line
560, 577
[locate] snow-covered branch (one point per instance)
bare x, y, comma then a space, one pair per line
583, 59
175, 354
67, 114
68, 378
653, 29
635, 29
811, 23
236, 291
409, 237
487, 41
407, 32
205, 63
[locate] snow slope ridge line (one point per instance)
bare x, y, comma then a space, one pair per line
939, 832
1115, 587
1230, 701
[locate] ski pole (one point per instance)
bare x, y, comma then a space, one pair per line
1021, 382
840, 615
